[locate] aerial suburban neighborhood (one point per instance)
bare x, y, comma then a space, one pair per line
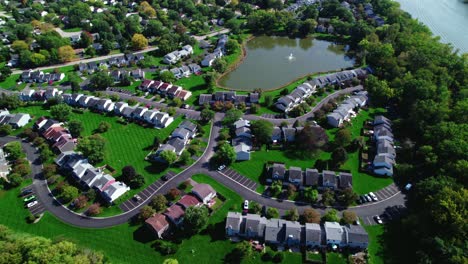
230, 131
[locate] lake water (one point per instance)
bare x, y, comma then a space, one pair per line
268, 66
446, 18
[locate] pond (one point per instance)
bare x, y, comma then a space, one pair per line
273, 62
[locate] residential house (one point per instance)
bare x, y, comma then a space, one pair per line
181, 133
276, 136
189, 200
171, 92
204, 192
103, 182
241, 123
243, 132
195, 68
275, 231
26, 94
328, 180
119, 107
335, 234
184, 95
311, 177
114, 191
289, 134
178, 144
242, 151
278, 171
177, 73
149, 115
313, 235
357, 236
346, 180
383, 165
295, 175
233, 224
158, 225
185, 70
18, 120
175, 213
91, 176
293, 233
137, 74
139, 112
254, 226
127, 111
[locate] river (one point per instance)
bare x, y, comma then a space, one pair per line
446, 18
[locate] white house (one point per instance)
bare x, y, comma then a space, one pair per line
313, 235
114, 191
119, 107
335, 234
204, 192
242, 151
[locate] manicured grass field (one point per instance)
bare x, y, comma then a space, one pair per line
336, 258
10, 82
375, 247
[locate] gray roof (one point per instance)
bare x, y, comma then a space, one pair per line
242, 147
312, 177
357, 234
177, 143
254, 223
295, 173
234, 220
242, 130
328, 178
313, 233
384, 159
346, 180
188, 125
293, 230
334, 231
275, 230
278, 169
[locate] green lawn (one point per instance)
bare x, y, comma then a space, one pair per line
10, 82
126, 144
75, 29
336, 258
375, 248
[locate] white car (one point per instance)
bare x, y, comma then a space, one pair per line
377, 219
373, 196
246, 205
220, 168
31, 204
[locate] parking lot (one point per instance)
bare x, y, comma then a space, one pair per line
235, 176
390, 214
36, 209
145, 194
387, 192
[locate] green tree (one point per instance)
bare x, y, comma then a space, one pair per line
159, 202
69, 193
232, 116
170, 261
262, 130
168, 156
343, 137
310, 195
347, 197
14, 180
232, 46
339, 156
331, 216
167, 76
100, 81
61, 112
272, 213
311, 138
5, 130
255, 208
196, 219
207, 114
9, 101
293, 214
328, 197
219, 65
226, 154
146, 212
103, 127
276, 188
92, 147
14, 150
139, 42
185, 157
66, 53
76, 128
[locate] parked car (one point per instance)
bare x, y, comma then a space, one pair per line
31, 204
362, 198
373, 196
220, 168
368, 198
165, 178
377, 219
29, 198
246, 205
26, 192
408, 186
136, 198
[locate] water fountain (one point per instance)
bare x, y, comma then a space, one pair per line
291, 57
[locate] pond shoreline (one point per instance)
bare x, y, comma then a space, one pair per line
243, 56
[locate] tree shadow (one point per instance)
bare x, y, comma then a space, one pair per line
156, 168
142, 235
215, 231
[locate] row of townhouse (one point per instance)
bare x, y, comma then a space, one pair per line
298, 95
179, 138
233, 97
311, 177
14, 120
5, 167
90, 177
185, 70
151, 116
165, 89
118, 75
201, 195
242, 143
369, 10
293, 234
384, 159
345, 111
289, 134
117, 61
177, 55
30, 76
218, 52
57, 135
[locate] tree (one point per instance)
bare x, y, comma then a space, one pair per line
66, 53
278, 258
170, 261
14, 180
14, 150
343, 137
69, 193
255, 208
207, 114
139, 42
146, 212
167, 76
272, 213
61, 112
349, 217
331, 216
159, 202
311, 138
347, 197
9, 101
100, 81
168, 156
225, 155
92, 147
328, 197
5, 130
219, 65
94, 209
231, 116
146, 9
196, 219
185, 157
173, 194
19, 45
293, 214
311, 216
232, 46
268, 100
262, 130
291, 190
75, 127
276, 188
339, 156
49, 170
243, 250
310, 195
103, 127
165, 247
80, 202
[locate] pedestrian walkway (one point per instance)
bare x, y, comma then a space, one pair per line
144, 195
242, 180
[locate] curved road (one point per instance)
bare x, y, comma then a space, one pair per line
200, 166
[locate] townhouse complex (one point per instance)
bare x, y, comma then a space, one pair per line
14, 120
385, 153
165, 89
345, 111
293, 234
180, 137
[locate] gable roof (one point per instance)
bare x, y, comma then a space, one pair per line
295, 173
203, 190
188, 200
312, 177
313, 233
346, 180
157, 222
